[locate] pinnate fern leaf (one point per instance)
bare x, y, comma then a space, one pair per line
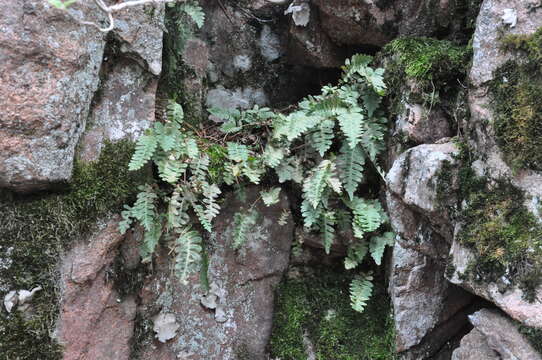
271, 196
361, 289
195, 12
144, 207
243, 223
237, 152
145, 148
356, 254
326, 225
188, 249
378, 245
368, 216
315, 184
322, 137
351, 125
351, 162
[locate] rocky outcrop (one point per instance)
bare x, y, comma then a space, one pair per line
494, 337
52, 69
94, 322
233, 316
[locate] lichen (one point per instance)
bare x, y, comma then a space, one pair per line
319, 306
515, 92
38, 228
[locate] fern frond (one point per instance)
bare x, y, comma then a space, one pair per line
314, 185
188, 249
356, 254
271, 196
356, 65
272, 156
145, 148
294, 125
368, 216
253, 171
351, 162
170, 170
290, 169
243, 223
175, 112
195, 12
200, 213
191, 148
210, 193
322, 137
150, 241
310, 214
200, 167
176, 213
127, 219
378, 245
361, 289
144, 207
326, 224
237, 152
351, 125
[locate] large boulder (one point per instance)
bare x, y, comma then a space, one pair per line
50, 72
233, 317
95, 322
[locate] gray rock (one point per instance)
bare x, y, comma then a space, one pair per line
502, 335
240, 98
474, 347
243, 281
421, 125
270, 44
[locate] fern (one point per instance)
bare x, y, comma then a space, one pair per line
195, 12
351, 162
175, 112
145, 147
271, 196
368, 216
150, 241
243, 223
144, 207
356, 254
237, 152
210, 193
290, 169
310, 214
200, 168
314, 185
361, 289
176, 213
322, 138
351, 125
171, 170
188, 248
272, 156
294, 125
326, 225
378, 245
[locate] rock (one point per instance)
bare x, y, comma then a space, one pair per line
124, 109
240, 98
242, 284
270, 44
10, 300
502, 336
424, 304
94, 322
474, 347
421, 125
512, 301
50, 68
414, 178
165, 327
140, 31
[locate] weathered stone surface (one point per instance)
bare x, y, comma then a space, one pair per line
50, 68
489, 56
474, 347
422, 300
421, 125
50, 73
235, 316
502, 335
414, 179
140, 31
124, 109
512, 301
94, 323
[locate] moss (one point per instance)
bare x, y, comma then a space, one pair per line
36, 229
533, 335
515, 93
320, 307
429, 60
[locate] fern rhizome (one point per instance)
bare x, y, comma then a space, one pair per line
326, 146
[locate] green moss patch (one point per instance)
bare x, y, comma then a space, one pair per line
319, 306
429, 60
36, 229
516, 91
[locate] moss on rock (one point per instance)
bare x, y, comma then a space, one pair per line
36, 229
319, 306
516, 91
